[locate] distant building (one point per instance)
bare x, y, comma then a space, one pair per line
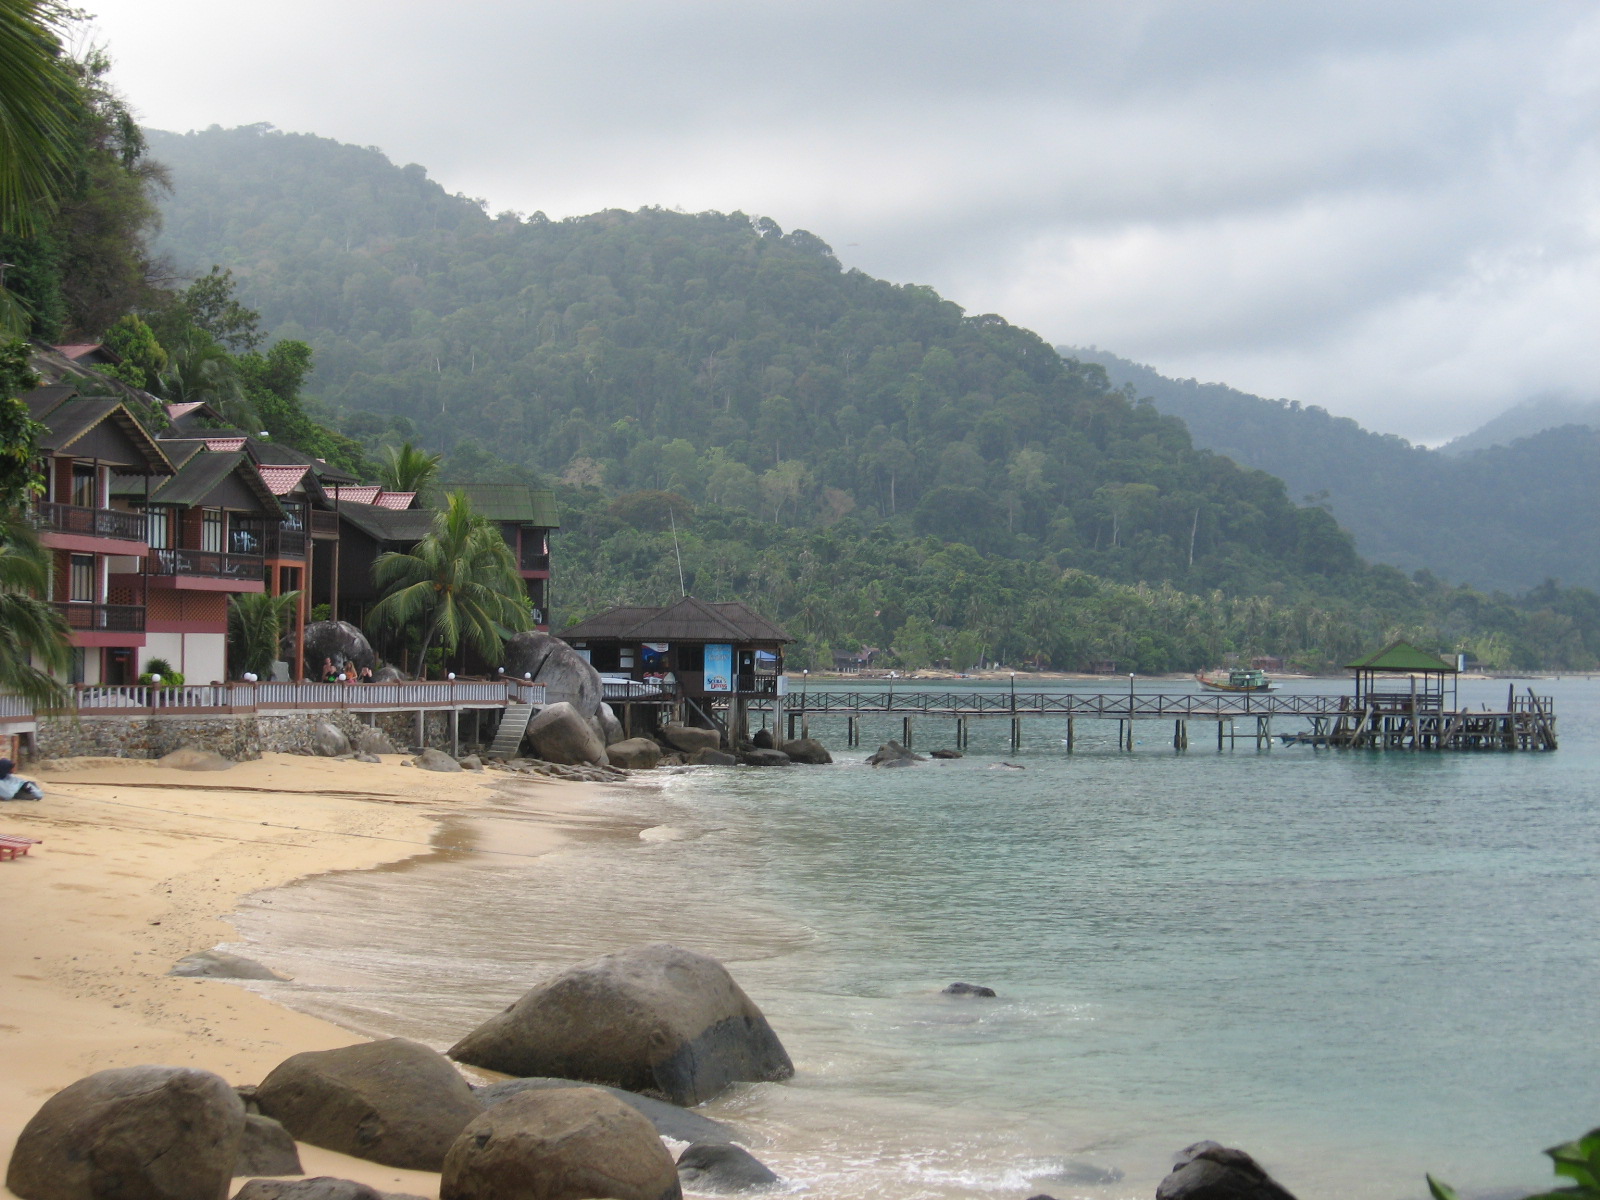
526, 517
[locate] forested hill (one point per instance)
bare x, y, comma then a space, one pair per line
721, 358
1507, 516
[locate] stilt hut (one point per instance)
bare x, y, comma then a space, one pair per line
1401, 678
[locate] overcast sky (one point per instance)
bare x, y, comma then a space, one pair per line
1390, 209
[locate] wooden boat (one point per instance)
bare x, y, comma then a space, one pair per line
1240, 679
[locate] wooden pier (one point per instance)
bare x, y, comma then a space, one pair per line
1378, 720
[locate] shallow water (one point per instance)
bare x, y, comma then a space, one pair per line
1358, 966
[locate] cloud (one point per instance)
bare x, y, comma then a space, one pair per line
1385, 208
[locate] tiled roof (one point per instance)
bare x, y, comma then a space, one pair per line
361, 493
512, 502
83, 349
68, 422
200, 476
281, 480
1401, 656
405, 528
398, 501
174, 411
224, 445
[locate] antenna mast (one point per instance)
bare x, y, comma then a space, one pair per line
675, 550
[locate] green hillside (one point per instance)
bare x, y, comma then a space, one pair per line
1504, 516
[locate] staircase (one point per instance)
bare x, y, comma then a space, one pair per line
508, 738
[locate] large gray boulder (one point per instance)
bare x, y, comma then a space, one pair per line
218, 964
561, 1144
372, 740
689, 739
328, 740
1209, 1171
266, 1149
808, 751
718, 1167
131, 1133
338, 640
430, 759
561, 669
893, 754
679, 1124
657, 1019
765, 758
395, 1102
560, 734
637, 754
319, 1187
610, 728
713, 758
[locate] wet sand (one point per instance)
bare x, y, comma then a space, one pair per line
140, 863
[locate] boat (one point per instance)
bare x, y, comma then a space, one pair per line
1240, 679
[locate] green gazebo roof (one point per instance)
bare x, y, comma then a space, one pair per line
1401, 656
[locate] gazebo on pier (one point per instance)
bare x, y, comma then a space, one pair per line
1402, 678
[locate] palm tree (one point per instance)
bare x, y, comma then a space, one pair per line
460, 582
35, 633
256, 622
406, 468
38, 109
201, 370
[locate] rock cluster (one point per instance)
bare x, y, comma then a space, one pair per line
893, 754
1209, 1171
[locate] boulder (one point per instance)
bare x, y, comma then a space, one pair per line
215, 964
371, 740
559, 1144
610, 727
338, 640
765, 758
893, 754
559, 734
808, 751
720, 1167
679, 1124
131, 1133
689, 739
320, 1187
707, 757
395, 1102
657, 1019
470, 763
944, 754
266, 1149
371, 758
436, 760
637, 754
762, 740
562, 670
969, 989
192, 758
1208, 1171
388, 675
328, 741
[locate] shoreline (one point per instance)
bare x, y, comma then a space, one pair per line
142, 864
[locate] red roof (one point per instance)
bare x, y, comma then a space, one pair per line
399, 501
174, 411
362, 493
79, 350
224, 445
282, 479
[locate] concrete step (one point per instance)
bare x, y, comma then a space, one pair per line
508, 738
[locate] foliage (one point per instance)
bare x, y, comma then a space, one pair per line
459, 584
159, 672
35, 642
37, 111
256, 624
20, 478
1577, 1160
405, 468
143, 358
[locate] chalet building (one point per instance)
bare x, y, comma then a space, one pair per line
98, 548
366, 531
526, 517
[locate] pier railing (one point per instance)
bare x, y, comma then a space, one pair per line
1111, 705
234, 698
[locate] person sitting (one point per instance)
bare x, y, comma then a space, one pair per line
14, 786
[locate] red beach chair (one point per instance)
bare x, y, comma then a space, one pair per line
11, 845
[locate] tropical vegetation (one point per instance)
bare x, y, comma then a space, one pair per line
257, 622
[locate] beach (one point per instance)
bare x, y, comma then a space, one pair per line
138, 866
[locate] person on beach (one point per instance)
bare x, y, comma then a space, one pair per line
14, 786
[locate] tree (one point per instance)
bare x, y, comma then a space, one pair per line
143, 359
38, 107
20, 479
459, 583
256, 623
199, 370
35, 632
405, 468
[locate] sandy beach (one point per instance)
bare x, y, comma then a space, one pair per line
140, 864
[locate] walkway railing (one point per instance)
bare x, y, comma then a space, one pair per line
1066, 704
201, 698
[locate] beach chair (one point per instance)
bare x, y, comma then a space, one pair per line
12, 845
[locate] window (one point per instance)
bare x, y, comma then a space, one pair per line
79, 668
157, 525
691, 658
211, 526
294, 516
83, 489
82, 582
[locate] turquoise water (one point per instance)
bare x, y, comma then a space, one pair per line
1358, 966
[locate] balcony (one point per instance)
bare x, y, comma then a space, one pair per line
535, 562
284, 543
324, 523
90, 522
207, 564
101, 618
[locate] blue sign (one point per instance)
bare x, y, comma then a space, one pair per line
719, 668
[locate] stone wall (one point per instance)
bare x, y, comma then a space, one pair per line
238, 737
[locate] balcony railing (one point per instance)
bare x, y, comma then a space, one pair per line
285, 543
535, 562
247, 568
324, 523
91, 522
102, 618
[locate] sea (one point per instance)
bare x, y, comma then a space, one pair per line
1359, 966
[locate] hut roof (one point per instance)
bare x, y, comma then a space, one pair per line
406, 526
1401, 656
66, 423
198, 477
688, 620
512, 502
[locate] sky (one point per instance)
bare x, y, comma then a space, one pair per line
1390, 208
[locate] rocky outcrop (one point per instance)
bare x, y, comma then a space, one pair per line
610, 728
637, 754
436, 760
679, 1124
969, 989
893, 754
945, 754
658, 1019
562, 670
266, 1149
131, 1133
689, 739
388, 675
215, 964
720, 1168
559, 733
328, 741
395, 1102
708, 757
338, 640
1209, 1171
372, 741
560, 1144
762, 740
320, 1187
765, 758
808, 751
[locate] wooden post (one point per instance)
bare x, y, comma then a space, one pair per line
905, 732
1219, 733
1070, 735
420, 731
